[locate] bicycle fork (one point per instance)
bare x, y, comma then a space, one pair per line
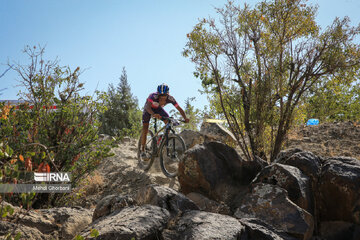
169, 153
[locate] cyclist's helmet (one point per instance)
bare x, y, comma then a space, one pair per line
163, 89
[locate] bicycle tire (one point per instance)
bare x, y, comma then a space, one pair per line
149, 148
169, 159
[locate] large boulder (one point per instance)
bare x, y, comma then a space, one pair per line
216, 132
203, 225
339, 189
271, 204
292, 180
307, 162
310, 165
165, 197
139, 222
286, 154
215, 170
191, 138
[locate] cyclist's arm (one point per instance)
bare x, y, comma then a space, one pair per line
148, 108
150, 111
181, 111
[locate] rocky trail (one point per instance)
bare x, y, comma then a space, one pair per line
120, 174
302, 195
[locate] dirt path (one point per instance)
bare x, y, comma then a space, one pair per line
120, 174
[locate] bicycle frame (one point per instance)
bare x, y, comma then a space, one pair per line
165, 136
163, 143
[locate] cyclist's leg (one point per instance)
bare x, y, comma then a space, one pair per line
163, 113
143, 136
145, 120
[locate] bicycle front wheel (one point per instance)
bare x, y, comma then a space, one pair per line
145, 162
171, 152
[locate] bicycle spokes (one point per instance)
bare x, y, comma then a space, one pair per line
146, 157
171, 154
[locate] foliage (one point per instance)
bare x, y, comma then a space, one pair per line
122, 117
9, 174
257, 64
10, 236
192, 113
93, 234
62, 140
334, 100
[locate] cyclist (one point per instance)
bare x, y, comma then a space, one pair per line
154, 108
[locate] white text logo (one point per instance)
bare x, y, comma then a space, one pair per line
51, 177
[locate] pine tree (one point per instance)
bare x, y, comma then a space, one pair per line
123, 116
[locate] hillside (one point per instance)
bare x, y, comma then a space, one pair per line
119, 198
120, 174
327, 139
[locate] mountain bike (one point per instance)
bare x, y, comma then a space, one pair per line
169, 146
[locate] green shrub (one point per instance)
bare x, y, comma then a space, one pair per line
65, 138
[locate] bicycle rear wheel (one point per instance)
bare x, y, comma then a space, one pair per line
171, 153
145, 163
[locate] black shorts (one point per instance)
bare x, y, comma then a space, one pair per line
146, 116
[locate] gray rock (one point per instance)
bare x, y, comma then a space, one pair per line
292, 180
215, 170
203, 225
62, 222
36, 219
26, 232
70, 221
286, 154
311, 166
165, 197
110, 204
257, 229
339, 189
191, 138
208, 205
271, 204
139, 222
307, 162
216, 132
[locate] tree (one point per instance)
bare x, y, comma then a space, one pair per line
258, 63
122, 117
192, 113
334, 99
62, 140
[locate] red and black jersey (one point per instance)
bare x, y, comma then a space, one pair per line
154, 100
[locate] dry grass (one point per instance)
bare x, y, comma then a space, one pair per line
87, 188
93, 183
293, 134
327, 140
